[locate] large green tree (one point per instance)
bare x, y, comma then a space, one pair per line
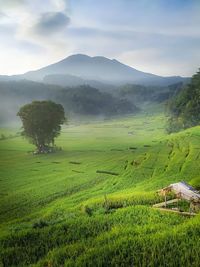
184, 108
42, 122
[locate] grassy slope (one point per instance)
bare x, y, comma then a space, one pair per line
78, 220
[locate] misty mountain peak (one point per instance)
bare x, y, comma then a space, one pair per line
77, 57
98, 68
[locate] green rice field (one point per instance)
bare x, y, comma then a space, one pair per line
90, 204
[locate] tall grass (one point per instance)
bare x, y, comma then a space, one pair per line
67, 214
132, 234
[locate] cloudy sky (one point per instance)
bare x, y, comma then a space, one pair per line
158, 36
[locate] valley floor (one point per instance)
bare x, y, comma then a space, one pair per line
90, 204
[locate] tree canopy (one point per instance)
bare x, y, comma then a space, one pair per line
184, 108
42, 122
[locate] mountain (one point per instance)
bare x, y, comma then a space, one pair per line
66, 80
82, 69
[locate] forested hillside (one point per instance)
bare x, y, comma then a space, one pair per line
184, 108
81, 100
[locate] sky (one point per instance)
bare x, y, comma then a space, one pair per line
157, 36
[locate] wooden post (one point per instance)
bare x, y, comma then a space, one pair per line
190, 208
179, 195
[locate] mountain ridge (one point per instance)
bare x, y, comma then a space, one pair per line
85, 68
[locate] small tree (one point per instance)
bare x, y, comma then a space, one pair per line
42, 123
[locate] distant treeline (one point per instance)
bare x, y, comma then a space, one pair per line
80, 100
140, 93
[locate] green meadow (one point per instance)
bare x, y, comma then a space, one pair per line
90, 204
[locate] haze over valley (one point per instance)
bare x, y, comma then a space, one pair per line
75, 79
99, 133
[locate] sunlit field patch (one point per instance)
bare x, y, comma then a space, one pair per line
68, 209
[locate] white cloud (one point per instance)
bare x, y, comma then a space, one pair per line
29, 27
155, 36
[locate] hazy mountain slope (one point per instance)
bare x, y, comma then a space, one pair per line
97, 69
66, 80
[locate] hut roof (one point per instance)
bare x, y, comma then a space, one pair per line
185, 190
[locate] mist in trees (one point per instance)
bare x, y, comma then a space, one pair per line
80, 100
184, 107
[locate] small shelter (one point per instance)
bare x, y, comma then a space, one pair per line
180, 190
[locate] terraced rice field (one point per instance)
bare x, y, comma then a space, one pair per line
90, 203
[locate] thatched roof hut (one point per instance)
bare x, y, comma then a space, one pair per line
181, 190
